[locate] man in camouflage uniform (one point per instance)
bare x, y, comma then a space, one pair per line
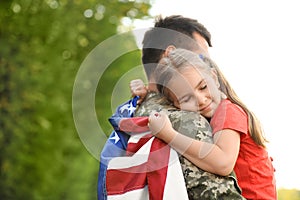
186, 33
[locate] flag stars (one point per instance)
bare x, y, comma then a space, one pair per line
130, 108
115, 137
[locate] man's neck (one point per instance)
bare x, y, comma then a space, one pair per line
152, 87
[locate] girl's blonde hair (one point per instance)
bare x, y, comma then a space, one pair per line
179, 59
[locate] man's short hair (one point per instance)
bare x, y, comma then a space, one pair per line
173, 30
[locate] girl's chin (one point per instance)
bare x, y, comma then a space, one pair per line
207, 114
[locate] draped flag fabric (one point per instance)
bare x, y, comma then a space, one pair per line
151, 169
116, 144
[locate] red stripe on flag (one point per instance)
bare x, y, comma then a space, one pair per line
134, 147
157, 169
120, 181
134, 124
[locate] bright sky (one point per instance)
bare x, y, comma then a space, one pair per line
255, 45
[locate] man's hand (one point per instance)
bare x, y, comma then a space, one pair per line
138, 88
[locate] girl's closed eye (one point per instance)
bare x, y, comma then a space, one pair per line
203, 87
185, 99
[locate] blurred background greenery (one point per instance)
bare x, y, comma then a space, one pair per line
42, 44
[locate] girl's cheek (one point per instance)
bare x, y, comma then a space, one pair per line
189, 107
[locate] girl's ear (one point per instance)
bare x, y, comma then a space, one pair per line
168, 50
215, 77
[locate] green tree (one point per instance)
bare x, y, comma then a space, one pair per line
42, 44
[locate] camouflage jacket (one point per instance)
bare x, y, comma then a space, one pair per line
200, 184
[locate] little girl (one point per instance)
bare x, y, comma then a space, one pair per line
194, 84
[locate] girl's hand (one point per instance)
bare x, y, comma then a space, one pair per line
160, 126
138, 88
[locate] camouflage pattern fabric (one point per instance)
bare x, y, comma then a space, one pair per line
200, 184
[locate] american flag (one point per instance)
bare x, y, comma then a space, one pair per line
116, 144
151, 169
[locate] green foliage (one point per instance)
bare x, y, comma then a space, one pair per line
118, 87
42, 46
288, 194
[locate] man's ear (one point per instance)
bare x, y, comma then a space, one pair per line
168, 50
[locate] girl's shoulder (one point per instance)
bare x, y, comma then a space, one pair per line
229, 116
229, 107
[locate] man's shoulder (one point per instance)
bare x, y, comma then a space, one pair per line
153, 102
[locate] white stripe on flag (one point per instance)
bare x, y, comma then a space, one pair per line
135, 138
140, 157
175, 180
142, 194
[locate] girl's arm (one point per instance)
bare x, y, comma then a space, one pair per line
218, 158
138, 88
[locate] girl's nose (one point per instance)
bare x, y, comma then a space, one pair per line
201, 98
